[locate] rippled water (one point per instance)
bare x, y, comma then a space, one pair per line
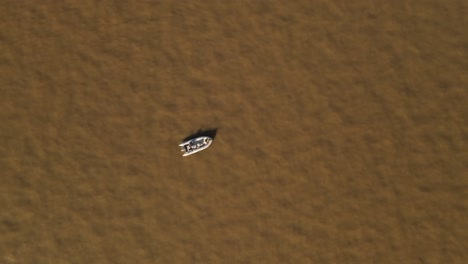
341, 132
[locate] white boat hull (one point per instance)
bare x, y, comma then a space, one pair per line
195, 145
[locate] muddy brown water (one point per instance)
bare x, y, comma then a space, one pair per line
341, 131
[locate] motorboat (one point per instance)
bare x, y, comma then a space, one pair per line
195, 145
